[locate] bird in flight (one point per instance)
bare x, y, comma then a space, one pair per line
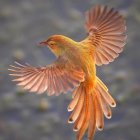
75, 69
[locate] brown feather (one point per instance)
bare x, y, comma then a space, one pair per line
99, 114
92, 120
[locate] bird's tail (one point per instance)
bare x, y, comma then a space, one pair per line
88, 108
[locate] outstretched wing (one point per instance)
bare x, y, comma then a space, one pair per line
106, 29
56, 78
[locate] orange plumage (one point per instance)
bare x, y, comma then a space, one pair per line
75, 67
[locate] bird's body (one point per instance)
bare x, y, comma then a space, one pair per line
75, 67
79, 53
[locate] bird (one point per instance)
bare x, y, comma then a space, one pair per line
75, 69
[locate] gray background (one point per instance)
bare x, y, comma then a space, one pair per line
26, 116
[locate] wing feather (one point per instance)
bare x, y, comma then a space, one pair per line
56, 78
106, 28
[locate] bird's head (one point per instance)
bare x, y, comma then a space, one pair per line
55, 43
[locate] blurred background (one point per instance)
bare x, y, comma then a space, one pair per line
26, 116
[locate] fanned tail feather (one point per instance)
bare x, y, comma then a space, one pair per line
88, 109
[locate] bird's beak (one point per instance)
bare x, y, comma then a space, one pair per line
43, 43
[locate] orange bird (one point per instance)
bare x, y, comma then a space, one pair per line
75, 68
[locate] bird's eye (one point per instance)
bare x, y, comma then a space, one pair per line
51, 43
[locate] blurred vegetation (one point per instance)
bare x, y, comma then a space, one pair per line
26, 116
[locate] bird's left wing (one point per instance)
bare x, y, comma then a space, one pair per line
106, 29
56, 78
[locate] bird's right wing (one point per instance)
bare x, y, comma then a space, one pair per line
56, 78
106, 29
